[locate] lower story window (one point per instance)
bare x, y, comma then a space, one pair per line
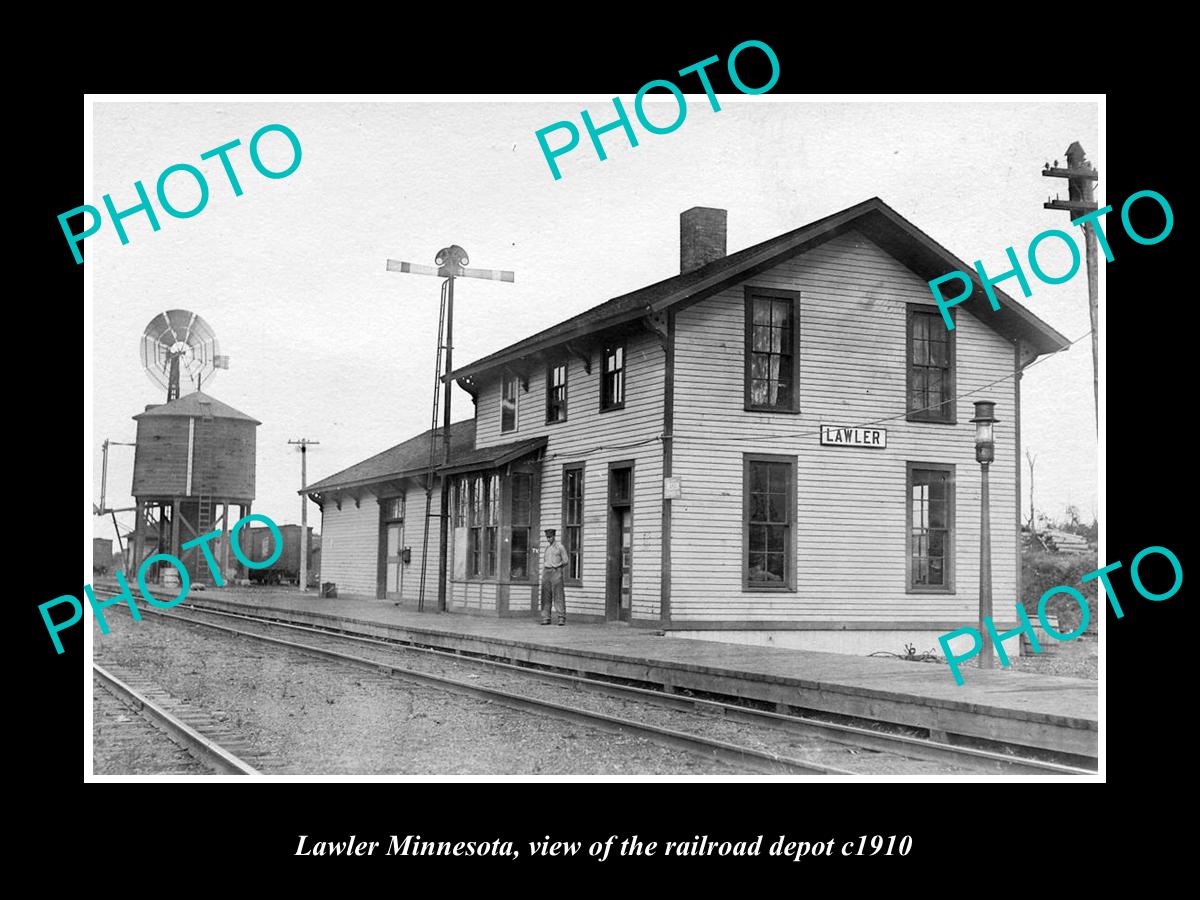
521, 518
769, 486
930, 527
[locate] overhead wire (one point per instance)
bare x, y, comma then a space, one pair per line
804, 432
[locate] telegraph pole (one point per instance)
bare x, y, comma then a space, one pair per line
1081, 178
304, 444
104, 490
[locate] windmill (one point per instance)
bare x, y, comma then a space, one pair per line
451, 263
178, 342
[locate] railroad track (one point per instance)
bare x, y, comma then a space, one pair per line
155, 706
849, 735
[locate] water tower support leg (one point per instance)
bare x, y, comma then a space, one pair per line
175, 517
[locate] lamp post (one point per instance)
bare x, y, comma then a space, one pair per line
985, 453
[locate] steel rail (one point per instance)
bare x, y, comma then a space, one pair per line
202, 748
760, 760
851, 735
856, 736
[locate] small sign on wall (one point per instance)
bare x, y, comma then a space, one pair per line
673, 487
833, 436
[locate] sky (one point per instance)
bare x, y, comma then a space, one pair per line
326, 344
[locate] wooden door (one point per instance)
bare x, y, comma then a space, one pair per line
619, 593
394, 570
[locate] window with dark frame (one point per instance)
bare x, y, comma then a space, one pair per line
510, 385
556, 393
612, 377
475, 528
772, 344
930, 366
461, 493
572, 518
930, 527
393, 509
491, 525
769, 522
521, 518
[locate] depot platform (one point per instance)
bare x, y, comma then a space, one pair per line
1021, 709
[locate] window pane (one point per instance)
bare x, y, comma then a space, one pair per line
775, 539
781, 314
936, 571
519, 565
757, 538
785, 341
920, 326
758, 476
758, 566
760, 339
775, 567
760, 366
762, 311
920, 570
937, 543
939, 352
778, 507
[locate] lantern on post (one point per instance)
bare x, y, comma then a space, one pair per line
985, 454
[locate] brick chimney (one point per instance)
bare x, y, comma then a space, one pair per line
701, 237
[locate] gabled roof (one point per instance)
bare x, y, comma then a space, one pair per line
874, 218
408, 458
199, 405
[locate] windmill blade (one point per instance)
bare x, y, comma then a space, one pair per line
188, 333
395, 265
490, 274
170, 327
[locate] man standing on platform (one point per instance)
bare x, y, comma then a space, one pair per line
554, 562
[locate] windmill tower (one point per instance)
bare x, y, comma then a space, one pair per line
193, 464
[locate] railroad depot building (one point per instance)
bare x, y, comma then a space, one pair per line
773, 446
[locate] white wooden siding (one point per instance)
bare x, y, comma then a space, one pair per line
414, 530
850, 533
350, 546
595, 439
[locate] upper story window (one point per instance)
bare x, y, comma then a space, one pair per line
508, 402
556, 393
930, 366
612, 377
772, 345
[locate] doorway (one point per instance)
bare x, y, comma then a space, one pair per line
394, 575
392, 555
619, 593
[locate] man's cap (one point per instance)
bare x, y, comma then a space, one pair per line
551, 531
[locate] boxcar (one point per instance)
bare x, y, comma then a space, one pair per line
258, 545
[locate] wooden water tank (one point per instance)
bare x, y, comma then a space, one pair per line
194, 446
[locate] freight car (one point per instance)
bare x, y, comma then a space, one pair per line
102, 555
258, 545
